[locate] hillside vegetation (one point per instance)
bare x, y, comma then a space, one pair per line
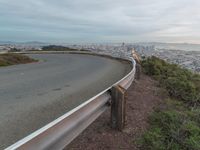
14, 59
175, 125
59, 48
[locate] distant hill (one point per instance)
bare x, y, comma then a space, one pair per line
6, 42
35, 43
59, 48
23, 43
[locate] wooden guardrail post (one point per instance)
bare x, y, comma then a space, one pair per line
118, 104
138, 71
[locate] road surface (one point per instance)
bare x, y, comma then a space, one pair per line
32, 95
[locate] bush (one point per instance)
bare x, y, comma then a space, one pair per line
175, 125
171, 129
180, 83
153, 140
13, 59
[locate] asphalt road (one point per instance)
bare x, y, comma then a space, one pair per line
32, 95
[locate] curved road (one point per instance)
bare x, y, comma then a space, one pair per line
32, 95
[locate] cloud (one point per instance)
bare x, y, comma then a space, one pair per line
100, 21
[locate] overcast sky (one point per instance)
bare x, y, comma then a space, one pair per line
100, 20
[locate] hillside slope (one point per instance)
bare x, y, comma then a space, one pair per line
14, 59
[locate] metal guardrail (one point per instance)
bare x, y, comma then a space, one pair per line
59, 133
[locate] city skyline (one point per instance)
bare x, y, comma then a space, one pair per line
80, 21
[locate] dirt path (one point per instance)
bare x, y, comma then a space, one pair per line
142, 97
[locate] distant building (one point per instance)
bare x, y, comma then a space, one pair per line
198, 69
4, 49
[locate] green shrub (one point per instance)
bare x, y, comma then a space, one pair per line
180, 83
153, 140
171, 130
175, 125
191, 130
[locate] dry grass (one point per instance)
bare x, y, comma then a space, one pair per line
14, 59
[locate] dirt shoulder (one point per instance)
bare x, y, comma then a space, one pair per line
142, 97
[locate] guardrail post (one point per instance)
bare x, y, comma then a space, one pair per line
118, 104
138, 71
